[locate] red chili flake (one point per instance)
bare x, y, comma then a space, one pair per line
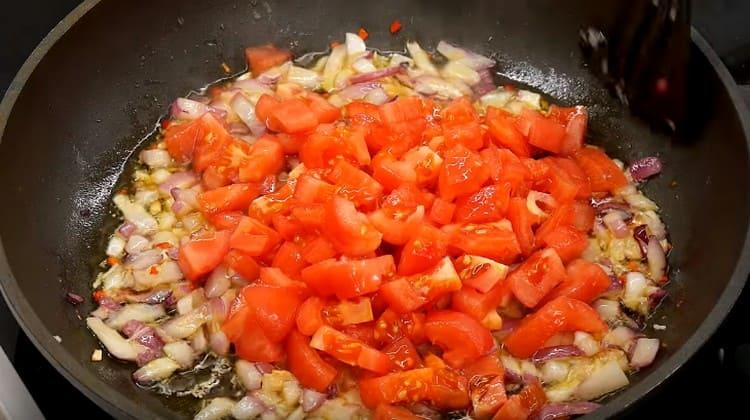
395, 26
99, 295
113, 261
165, 123
362, 32
163, 245
154, 270
334, 44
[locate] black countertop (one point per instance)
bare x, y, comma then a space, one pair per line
715, 379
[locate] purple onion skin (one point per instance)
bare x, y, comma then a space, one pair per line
74, 299
375, 75
560, 410
645, 168
554, 352
641, 236
655, 298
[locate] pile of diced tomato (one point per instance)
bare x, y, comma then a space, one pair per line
389, 255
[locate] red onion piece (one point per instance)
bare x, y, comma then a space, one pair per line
358, 91
74, 299
645, 168
509, 325
486, 83
469, 58
249, 407
264, 367
184, 179
218, 309
376, 75
512, 377
608, 203
146, 336
188, 109
137, 244
217, 282
159, 296
564, 410
615, 222
312, 399
332, 391
254, 85
644, 352
126, 229
657, 260
641, 236
655, 298
173, 253
219, 342
144, 260
555, 352
248, 374
109, 304
377, 96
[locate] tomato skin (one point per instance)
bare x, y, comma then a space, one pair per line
349, 230
562, 314
585, 281
229, 198
310, 315
272, 276
603, 174
354, 277
272, 309
411, 385
536, 277
350, 350
263, 57
392, 412
489, 204
403, 354
462, 172
254, 346
199, 257
523, 222
524, 404
307, 365
461, 336
504, 132
243, 264
428, 246
567, 241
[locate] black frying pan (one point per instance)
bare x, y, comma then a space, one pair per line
96, 85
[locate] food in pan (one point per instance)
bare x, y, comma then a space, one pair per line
381, 235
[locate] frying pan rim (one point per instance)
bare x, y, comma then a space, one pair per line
94, 387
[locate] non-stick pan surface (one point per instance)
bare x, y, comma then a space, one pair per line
96, 85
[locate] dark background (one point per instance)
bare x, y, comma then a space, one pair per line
718, 376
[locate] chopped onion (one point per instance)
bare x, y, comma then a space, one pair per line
183, 326
460, 71
535, 196
144, 259
73, 298
655, 297
199, 342
622, 337
497, 98
355, 46
146, 196
644, 352
244, 109
249, 375
635, 285
273, 75
156, 158
431, 85
117, 278
485, 85
615, 222
217, 283
657, 260
609, 310
312, 399
155, 371
531, 99
264, 367
640, 201
363, 65
303, 77
376, 75
470, 59
565, 410
219, 342
115, 247
555, 352
333, 66
116, 345
185, 200
219, 309
645, 168
254, 86
126, 229
249, 407
181, 352
135, 312
377, 96
554, 371
188, 109
421, 59
181, 180
135, 214
358, 91
641, 237
137, 244
603, 380
586, 343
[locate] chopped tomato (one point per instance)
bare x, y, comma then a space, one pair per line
426, 247
395, 26
449, 389
578, 214
350, 350
392, 412
522, 405
310, 315
225, 220
200, 256
401, 227
254, 346
289, 259
317, 250
514, 172
460, 336
562, 314
480, 273
489, 204
408, 386
486, 385
349, 230
442, 211
266, 104
243, 264
567, 241
544, 133
603, 174
462, 172
403, 109
253, 237
536, 277
401, 296
492, 240
266, 158
523, 222
272, 276
575, 120
229, 198
181, 140
272, 309
403, 354
585, 281
482, 306
212, 142
504, 132
353, 277
307, 365
391, 172
355, 184
292, 116
311, 189
262, 58
391, 326
348, 312
323, 110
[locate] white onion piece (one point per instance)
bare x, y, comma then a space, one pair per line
166, 237
117, 278
460, 71
363, 65
303, 77
377, 96
217, 409
531, 99
244, 109
183, 326
219, 342
430, 85
603, 380
137, 244
312, 399
640, 202
133, 213
146, 196
156, 158
644, 352
333, 66
615, 222
182, 180
399, 60
249, 375
166, 272
421, 59
535, 197
291, 392
185, 304
586, 343
181, 352
622, 337
145, 259
497, 98
135, 312
554, 371
115, 247
116, 344
449, 51
355, 46
188, 109
217, 283
635, 286
155, 370
657, 260
358, 91
249, 407
198, 341
253, 86
468, 58
609, 310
